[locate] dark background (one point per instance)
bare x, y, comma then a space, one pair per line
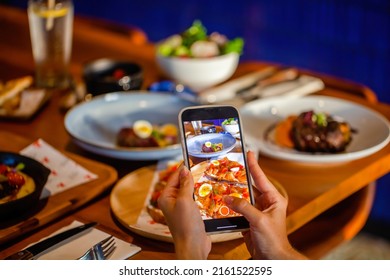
345, 38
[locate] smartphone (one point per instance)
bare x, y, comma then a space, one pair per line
214, 151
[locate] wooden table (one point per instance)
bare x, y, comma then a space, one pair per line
328, 204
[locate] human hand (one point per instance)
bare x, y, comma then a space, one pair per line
183, 216
267, 235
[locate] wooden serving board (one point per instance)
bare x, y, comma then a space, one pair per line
59, 204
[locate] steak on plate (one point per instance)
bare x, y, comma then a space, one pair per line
319, 132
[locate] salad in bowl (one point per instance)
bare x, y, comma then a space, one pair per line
197, 59
194, 42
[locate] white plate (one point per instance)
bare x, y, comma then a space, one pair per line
373, 130
195, 144
94, 125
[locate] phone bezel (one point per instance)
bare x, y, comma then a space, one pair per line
208, 112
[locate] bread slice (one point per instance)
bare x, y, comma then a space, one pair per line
10, 92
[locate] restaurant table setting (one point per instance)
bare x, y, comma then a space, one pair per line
77, 245
96, 178
68, 185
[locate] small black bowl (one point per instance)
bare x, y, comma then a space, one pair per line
107, 75
208, 129
37, 171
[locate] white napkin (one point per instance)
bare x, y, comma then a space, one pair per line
72, 249
30, 101
65, 173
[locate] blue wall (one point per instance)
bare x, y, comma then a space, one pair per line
346, 38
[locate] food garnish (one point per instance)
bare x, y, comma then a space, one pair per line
196, 43
204, 189
144, 134
143, 129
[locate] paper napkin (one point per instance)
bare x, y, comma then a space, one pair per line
31, 100
65, 173
72, 249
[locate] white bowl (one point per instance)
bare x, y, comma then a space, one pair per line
231, 128
199, 73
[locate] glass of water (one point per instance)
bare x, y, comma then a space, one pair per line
51, 30
197, 125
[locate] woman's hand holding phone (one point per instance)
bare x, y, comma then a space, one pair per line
260, 213
267, 236
183, 217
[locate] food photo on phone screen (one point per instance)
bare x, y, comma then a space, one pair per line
214, 152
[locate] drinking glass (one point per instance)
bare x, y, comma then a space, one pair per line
51, 28
197, 125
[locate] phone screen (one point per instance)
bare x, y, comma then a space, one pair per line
214, 151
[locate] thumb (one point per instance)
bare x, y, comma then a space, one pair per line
243, 207
186, 183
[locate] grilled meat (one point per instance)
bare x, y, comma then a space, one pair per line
319, 132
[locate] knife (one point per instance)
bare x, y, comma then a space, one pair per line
33, 250
283, 75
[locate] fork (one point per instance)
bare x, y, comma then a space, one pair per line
101, 250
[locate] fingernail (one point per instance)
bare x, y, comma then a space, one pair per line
184, 171
228, 199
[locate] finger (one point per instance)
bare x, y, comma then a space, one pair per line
243, 207
261, 181
255, 191
186, 183
170, 189
249, 243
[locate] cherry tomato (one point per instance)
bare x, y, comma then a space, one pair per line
15, 179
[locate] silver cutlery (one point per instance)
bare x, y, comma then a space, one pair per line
254, 90
34, 250
248, 85
101, 250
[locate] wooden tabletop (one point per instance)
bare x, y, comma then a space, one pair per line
328, 203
